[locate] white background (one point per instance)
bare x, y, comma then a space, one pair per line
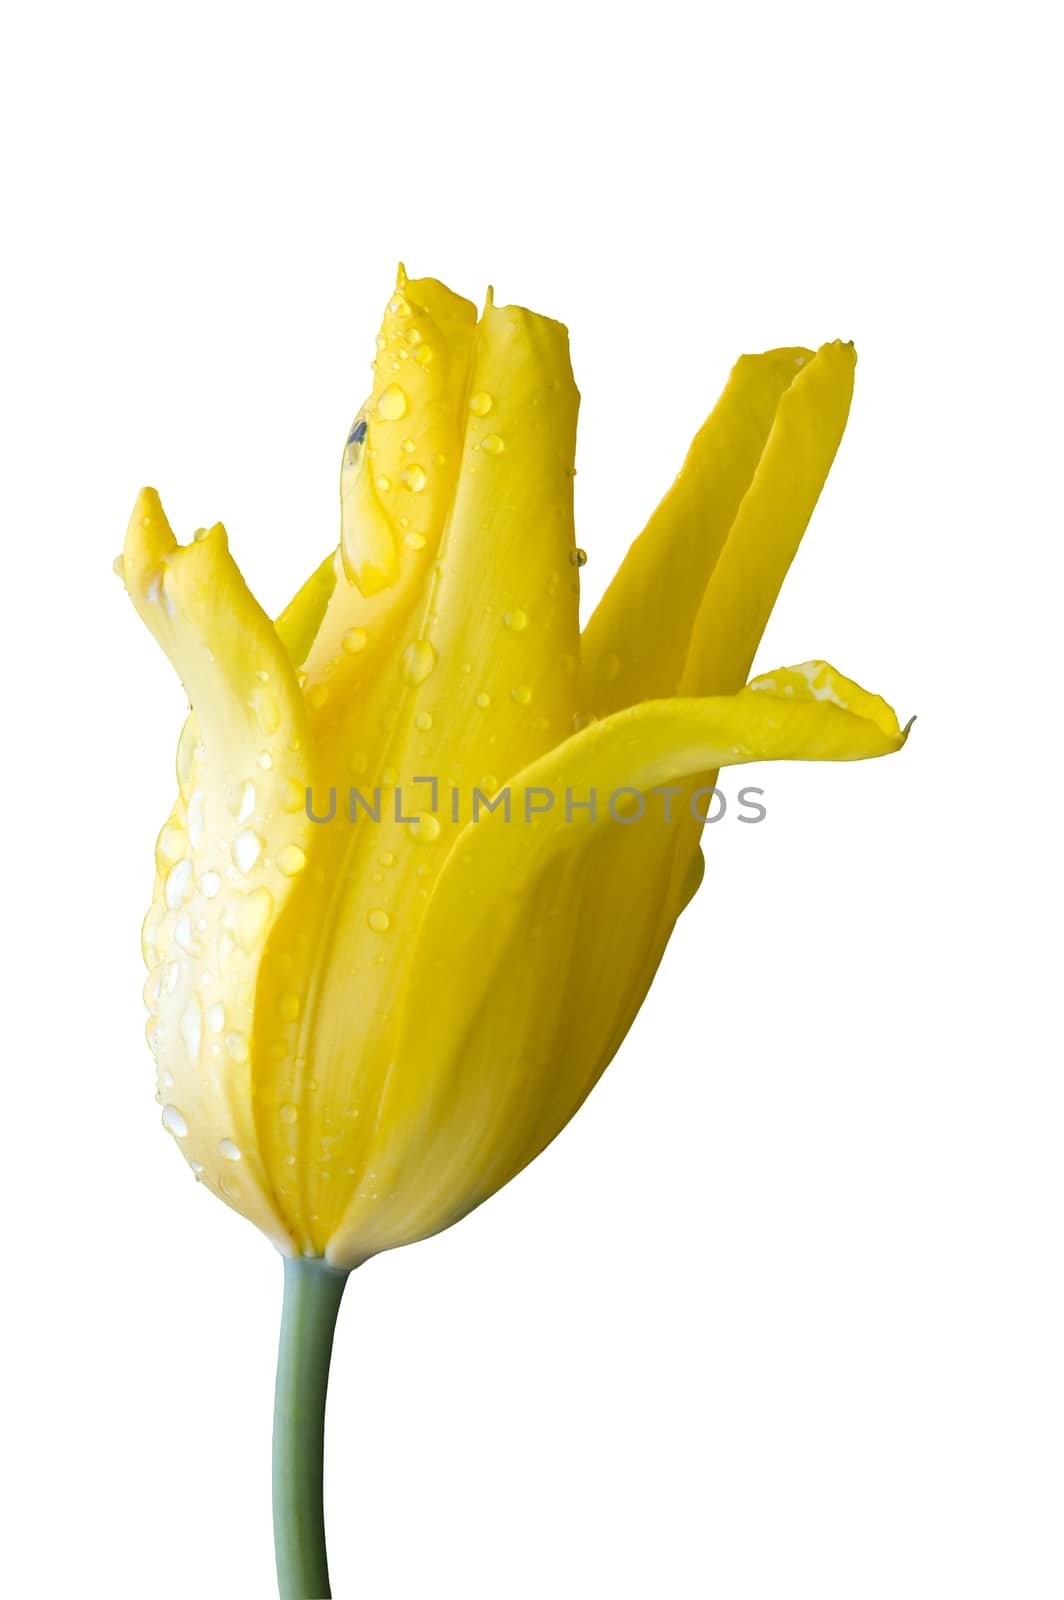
780, 1313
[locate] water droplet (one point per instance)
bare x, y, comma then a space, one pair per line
378, 920
578, 557
318, 695
242, 800
423, 721
414, 477
236, 1046
192, 1027
178, 884
384, 483
483, 700
174, 1122
354, 640
183, 936
247, 847
246, 917
170, 845
214, 1017
423, 355
209, 884
290, 1006
522, 694
267, 711
265, 760
171, 973
387, 858
196, 818
492, 445
229, 1150
288, 1113
516, 621
418, 660
293, 795
414, 541
290, 859
392, 403
399, 306
425, 827
481, 403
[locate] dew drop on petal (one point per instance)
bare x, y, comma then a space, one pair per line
178, 884
417, 662
174, 1122
481, 403
209, 884
293, 795
423, 721
196, 818
578, 557
414, 477
242, 800
236, 1046
483, 700
516, 621
247, 847
229, 1150
379, 921
522, 694
214, 1017
288, 1113
170, 845
267, 711
290, 859
354, 640
425, 827
392, 403
492, 445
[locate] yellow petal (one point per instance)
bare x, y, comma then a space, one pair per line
703, 575
770, 522
536, 950
636, 643
482, 681
225, 856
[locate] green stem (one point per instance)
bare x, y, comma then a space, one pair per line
312, 1294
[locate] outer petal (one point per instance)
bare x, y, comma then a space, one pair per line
534, 955
750, 480
482, 682
229, 854
396, 487
769, 525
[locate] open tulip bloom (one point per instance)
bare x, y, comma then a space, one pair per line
430, 839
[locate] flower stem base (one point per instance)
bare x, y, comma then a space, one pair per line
312, 1294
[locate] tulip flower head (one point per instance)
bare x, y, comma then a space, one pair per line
418, 875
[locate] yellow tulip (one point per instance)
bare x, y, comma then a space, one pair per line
365, 1026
